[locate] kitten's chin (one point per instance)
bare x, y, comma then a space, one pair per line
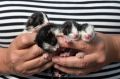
88, 37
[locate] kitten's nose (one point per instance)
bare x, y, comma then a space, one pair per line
75, 35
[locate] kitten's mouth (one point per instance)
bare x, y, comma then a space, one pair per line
88, 37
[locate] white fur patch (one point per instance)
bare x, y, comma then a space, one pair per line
46, 45
50, 47
74, 32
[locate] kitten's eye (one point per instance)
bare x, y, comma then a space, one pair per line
52, 39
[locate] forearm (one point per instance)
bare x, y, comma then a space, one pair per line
4, 66
116, 42
112, 46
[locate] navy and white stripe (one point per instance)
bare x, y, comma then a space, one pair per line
104, 14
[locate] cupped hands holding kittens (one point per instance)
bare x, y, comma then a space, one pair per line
98, 53
24, 57
99, 49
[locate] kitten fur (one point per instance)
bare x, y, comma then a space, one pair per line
46, 39
71, 30
36, 21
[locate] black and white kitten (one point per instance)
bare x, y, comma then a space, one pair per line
87, 32
46, 39
36, 21
71, 30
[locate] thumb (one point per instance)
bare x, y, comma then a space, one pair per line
24, 40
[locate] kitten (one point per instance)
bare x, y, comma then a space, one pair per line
71, 31
36, 21
87, 33
46, 39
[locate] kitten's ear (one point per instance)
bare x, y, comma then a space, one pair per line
67, 23
66, 27
45, 18
84, 26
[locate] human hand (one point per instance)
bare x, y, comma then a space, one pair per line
25, 57
98, 53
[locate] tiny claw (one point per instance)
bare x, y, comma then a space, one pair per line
45, 56
65, 54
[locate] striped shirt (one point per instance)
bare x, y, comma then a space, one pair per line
103, 14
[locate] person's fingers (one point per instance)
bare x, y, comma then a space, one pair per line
25, 40
34, 63
76, 71
39, 69
30, 53
85, 47
76, 62
34, 52
45, 66
81, 45
62, 42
